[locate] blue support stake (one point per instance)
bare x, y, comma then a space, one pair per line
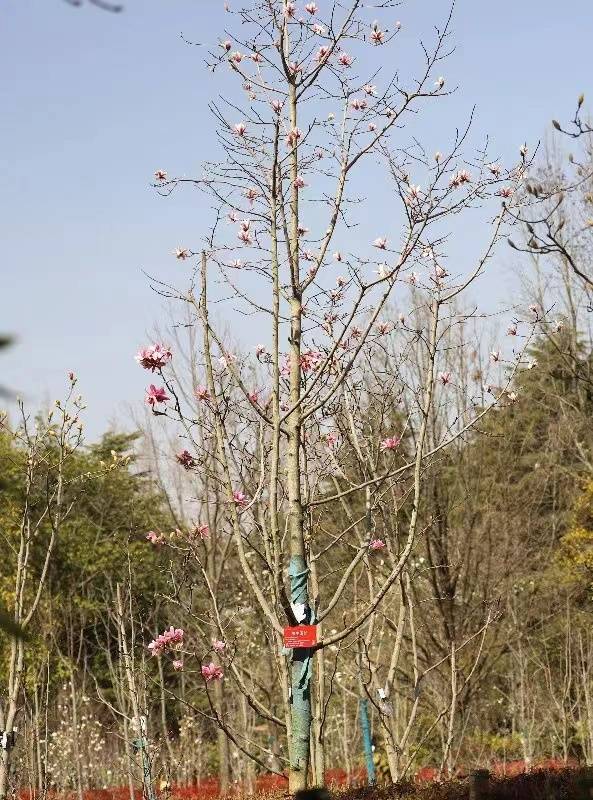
367, 742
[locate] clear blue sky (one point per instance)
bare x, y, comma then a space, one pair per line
92, 103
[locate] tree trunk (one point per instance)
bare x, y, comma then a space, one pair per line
222, 741
300, 688
75, 733
14, 687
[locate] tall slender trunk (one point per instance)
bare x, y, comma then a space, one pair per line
37, 733
139, 720
222, 741
14, 687
298, 568
129, 759
75, 733
317, 737
164, 725
248, 776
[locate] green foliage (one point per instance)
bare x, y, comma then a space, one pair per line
100, 543
576, 546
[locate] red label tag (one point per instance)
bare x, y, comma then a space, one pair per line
300, 636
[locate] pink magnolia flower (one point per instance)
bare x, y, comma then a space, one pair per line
358, 104
160, 175
237, 57
226, 45
240, 128
251, 194
383, 328
512, 330
299, 182
370, 89
463, 176
445, 378
257, 58
203, 531
391, 443
218, 646
345, 60
226, 359
558, 326
240, 498
302, 230
156, 394
260, 351
506, 191
341, 281
181, 253
495, 356
377, 36
285, 366
254, 396
495, 169
356, 332
534, 310
318, 29
244, 231
311, 8
211, 672
290, 9
72, 377
380, 242
154, 357
322, 54
171, 639
377, 544
293, 137
155, 538
277, 105
186, 459
310, 360
177, 665
413, 279
202, 393
331, 438
372, 126
338, 255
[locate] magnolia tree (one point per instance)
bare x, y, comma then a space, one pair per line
334, 412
